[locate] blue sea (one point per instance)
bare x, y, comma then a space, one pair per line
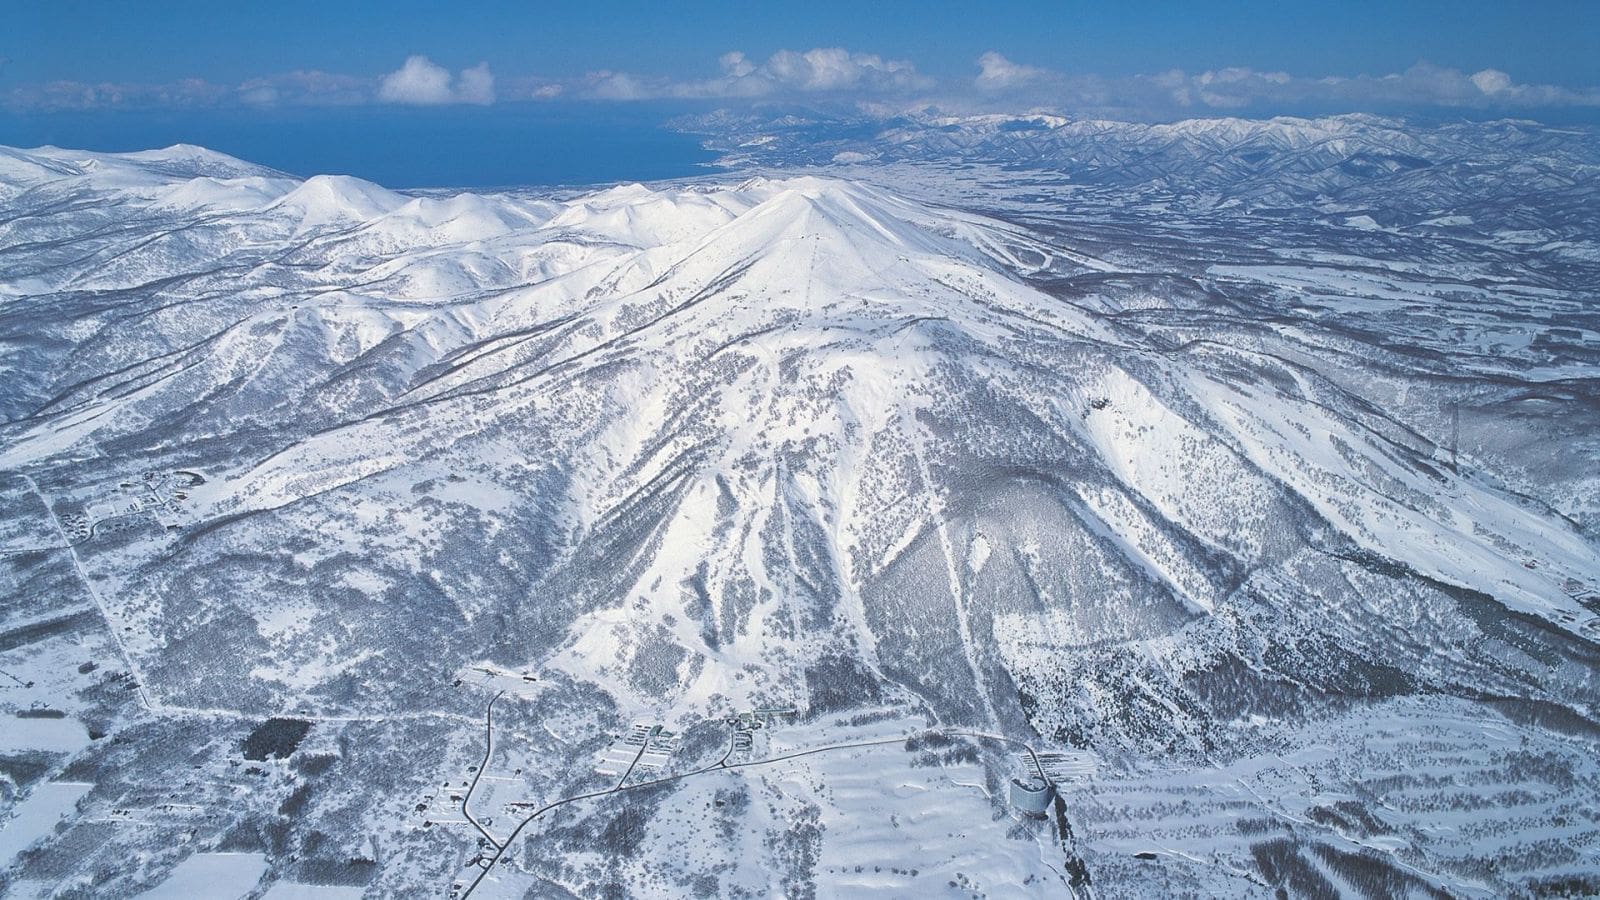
477, 147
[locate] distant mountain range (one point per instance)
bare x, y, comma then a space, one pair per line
1509, 174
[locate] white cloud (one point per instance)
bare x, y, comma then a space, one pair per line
819, 71
735, 65
476, 85
607, 85
834, 68
418, 81
306, 88
422, 82
1004, 86
995, 73
1492, 81
873, 84
1422, 85
259, 95
186, 93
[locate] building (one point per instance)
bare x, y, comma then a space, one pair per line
1031, 795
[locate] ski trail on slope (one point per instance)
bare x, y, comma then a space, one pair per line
937, 510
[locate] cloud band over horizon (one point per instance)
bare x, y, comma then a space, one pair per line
835, 75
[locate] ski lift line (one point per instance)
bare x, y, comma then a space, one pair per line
88, 586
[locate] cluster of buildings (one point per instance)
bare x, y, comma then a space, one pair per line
645, 746
761, 717
155, 494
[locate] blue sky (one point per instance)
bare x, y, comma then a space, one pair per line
118, 75
1549, 42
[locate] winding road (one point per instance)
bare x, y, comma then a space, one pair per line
488, 749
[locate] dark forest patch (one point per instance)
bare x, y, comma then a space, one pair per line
276, 738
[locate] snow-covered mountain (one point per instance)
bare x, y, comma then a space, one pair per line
1264, 516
